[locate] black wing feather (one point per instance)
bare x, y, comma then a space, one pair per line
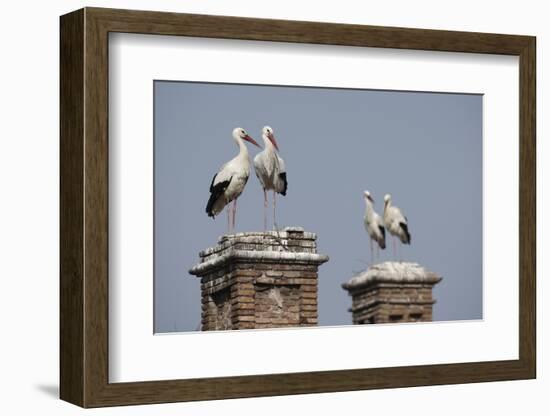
216, 191
405, 228
212, 183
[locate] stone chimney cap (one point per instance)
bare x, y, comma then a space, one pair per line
284, 233
392, 272
291, 245
258, 256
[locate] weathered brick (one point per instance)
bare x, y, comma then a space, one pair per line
308, 294
259, 291
240, 306
381, 295
248, 273
279, 321
245, 325
265, 280
242, 299
238, 291
299, 281
246, 318
236, 313
242, 287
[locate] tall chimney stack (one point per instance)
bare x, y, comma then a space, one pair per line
260, 280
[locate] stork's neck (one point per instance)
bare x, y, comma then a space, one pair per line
387, 205
268, 145
243, 150
369, 209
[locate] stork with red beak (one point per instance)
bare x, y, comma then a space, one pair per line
374, 225
228, 184
270, 170
396, 223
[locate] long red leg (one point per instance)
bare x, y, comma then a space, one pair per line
228, 219
371, 252
274, 207
234, 212
265, 210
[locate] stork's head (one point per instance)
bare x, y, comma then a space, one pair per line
268, 132
240, 133
387, 198
368, 196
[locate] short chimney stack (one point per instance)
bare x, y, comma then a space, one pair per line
392, 292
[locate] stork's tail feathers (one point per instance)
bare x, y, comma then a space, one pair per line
282, 177
406, 238
382, 240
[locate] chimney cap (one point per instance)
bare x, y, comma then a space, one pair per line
291, 245
392, 272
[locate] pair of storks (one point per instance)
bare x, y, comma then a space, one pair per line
228, 184
393, 220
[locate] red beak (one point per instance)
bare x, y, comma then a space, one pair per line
251, 140
272, 140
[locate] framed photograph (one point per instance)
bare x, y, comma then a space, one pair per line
254, 207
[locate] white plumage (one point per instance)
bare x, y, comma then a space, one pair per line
374, 223
396, 223
228, 184
270, 169
269, 166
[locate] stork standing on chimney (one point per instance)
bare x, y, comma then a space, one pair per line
395, 222
374, 226
228, 184
270, 170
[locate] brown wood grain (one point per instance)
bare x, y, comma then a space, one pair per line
84, 207
527, 208
71, 213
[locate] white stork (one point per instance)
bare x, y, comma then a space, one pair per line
396, 222
374, 225
230, 180
270, 170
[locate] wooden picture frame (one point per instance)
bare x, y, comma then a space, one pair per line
84, 207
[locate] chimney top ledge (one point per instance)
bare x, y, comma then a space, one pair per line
282, 257
392, 272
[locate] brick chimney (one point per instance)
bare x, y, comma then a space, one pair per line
260, 280
392, 292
